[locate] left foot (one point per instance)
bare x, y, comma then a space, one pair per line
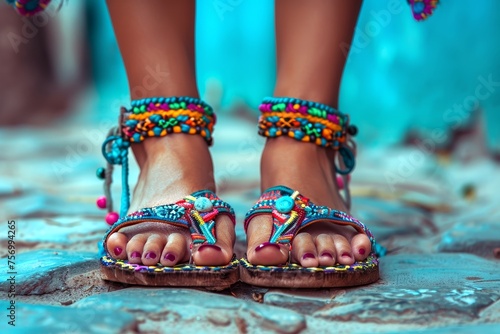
309, 169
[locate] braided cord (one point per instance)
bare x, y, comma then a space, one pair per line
151, 117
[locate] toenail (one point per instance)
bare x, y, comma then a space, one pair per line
266, 244
361, 251
202, 247
308, 256
327, 255
345, 254
118, 250
150, 255
169, 257
135, 255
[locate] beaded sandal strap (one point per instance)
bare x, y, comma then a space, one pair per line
150, 117
195, 212
292, 211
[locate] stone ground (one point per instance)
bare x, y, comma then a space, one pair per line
438, 217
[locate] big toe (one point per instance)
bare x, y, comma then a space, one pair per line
116, 245
260, 251
221, 252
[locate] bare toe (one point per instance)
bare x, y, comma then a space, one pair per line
222, 251
135, 247
153, 249
326, 250
304, 250
260, 251
116, 244
176, 250
343, 250
361, 246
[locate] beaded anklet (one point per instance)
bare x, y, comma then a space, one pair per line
311, 122
151, 117
422, 9
29, 7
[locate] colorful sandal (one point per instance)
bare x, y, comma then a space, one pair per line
291, 211
156, 117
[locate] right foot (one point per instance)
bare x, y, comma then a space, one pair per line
171, 168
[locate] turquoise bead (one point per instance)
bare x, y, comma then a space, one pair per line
284, 204
101, 173
203, 204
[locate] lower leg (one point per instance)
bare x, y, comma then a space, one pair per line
156, 40
312, 73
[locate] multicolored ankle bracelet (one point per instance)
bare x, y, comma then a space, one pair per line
29, 7
422, 9
308, 121
150, 117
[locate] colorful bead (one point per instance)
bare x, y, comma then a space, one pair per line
174, 115
101, 202
101, 173
422, 9
203, 204
30, 7
284, 204
112, 217
306, 121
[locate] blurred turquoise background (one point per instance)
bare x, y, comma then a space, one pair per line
400, 74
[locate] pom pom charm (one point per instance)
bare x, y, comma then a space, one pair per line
422, 9
112, 217
101, 202
30, 7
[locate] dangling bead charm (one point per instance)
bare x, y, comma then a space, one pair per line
101, 173
112, 217
101, 202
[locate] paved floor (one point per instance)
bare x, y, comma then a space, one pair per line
438, 217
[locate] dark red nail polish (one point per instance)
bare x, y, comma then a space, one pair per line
135, 255
327, 254
169, 257
362, 251
266, 244
150, 255
308, 256
118, 250
346, 254
206, 246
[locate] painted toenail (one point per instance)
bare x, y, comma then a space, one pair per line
202, 247
169, 257
308, 256
327, 255
135, 255
361, 251
266, 244
118, 250
150, 255
345, 254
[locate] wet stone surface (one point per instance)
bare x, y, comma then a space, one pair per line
477, 237
172, 308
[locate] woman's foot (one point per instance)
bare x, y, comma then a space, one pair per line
171, 168
308, 169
